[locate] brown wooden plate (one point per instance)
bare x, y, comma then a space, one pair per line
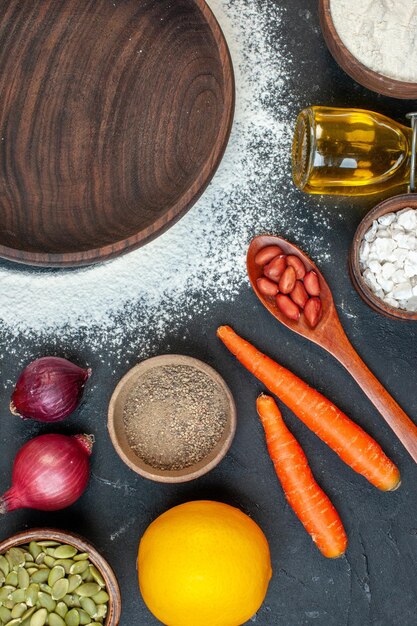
114, 117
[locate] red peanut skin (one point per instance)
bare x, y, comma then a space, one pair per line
312, 284
288, 307
267, 287
266, 255
299, 294
287, 280
313, 311
275, 268
298, 265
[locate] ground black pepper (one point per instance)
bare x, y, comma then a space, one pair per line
174, 416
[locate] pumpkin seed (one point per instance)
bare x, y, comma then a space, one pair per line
18, 595
4, 565
75, 581
56, 573
79, 567
5, 614
15, 622
5, 592
88, 589
41, 576
55, 620
34, 549
65, 552
19, 609
40, 558
46, 601
15, 557
45, 588
29, 613
66, 564
101, 611
32, 570
49, 561
31, 596
29, 557
86, 576
60, 589
23, 578
11, 579
84, 617
89, 606
48, 543
82, 556
101, 597
39, 618
61, 609
72, 600
72, 618
97, 576
9, 603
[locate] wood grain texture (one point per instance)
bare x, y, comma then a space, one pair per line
114, 117
65, 537
356, 70
329, 334
387, 206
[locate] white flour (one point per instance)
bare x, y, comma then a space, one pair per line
201, 260
382, 34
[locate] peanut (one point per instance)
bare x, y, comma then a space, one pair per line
267, 287
311, 283
266, 255
298, 265
288, 307
275, 268
299, 294
287, 280
313, 311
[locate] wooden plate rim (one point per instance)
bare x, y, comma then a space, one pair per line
178, 210
370, 79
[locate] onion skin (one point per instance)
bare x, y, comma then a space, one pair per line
49, 389
50, 472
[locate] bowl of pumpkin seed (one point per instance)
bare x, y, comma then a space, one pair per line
53, 578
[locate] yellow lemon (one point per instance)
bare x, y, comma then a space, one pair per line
204, 563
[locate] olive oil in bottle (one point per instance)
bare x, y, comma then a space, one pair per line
350, 152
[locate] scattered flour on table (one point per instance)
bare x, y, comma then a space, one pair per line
152, 291
382, 34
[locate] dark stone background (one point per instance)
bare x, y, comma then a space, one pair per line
375, 583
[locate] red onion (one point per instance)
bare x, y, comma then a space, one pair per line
50, 472
49, 389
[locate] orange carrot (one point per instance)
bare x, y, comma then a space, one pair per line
347, 439
308, 501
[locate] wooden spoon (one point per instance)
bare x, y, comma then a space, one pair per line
330, 335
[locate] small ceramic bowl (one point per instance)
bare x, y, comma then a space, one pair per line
356, 70
393, 204
52, 534
118, 434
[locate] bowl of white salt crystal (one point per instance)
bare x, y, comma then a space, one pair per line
383, 258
